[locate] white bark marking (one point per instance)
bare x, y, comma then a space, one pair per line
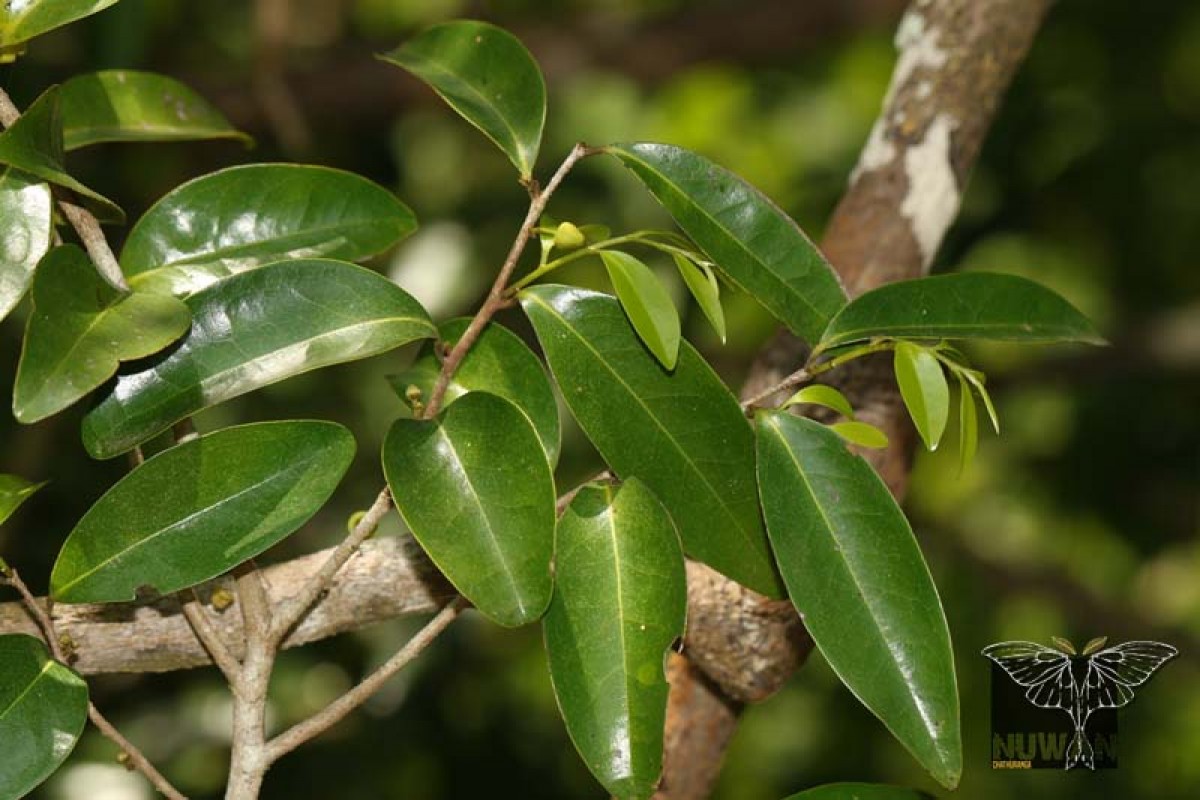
933, 197
918, 47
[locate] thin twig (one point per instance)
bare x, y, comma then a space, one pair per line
132, 754
496, 299
94, 241
248, 765
793, 380
336, 711
82, 220
193, 611
289, 613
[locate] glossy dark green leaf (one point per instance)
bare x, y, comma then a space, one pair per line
476, 490
43, 708
860, 791
647, 304
26, 209
240, 218
966, 305
14, 490
81, 329
488, 77
862, 434
855, 573
498, 363
822, 395
620, 598
759, 248
252, 330
682, 433
201, 508
702, 283
968, 424
21, 20
34, 144
124, 105
924, 389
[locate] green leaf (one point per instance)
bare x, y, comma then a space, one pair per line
241, 218
759, 248
21, 21
475, 488
647, 304
856, 575
619, 603
702, 283
200, 508
968, 424
977, 380
250, 331
498, 363
860, 433
43, 708
124, 105
595, 233
81, 329
488, 77
14, 490
681, 433
860, 791
34, 144
28, 212
965, 305
819, 394
924, 389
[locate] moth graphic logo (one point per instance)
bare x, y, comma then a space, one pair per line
1082, 685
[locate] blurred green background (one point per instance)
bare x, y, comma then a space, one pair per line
1080, 521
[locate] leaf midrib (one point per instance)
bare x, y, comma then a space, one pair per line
780, 282
828, 527
638, 400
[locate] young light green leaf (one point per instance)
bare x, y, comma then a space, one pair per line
200, 508
855, 573
498, 363
647, 304
861, 433
14, 490
20, 22
977, 379
250, 331
475, 488
860, 791
26, 208
34, 144
702, 283
43, 708
488, 77
924, 389
619, 603
681, 433
124, 105
965, 305
1094, 644
968, 424
757, 246
820, 394
238, 219
80, 331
